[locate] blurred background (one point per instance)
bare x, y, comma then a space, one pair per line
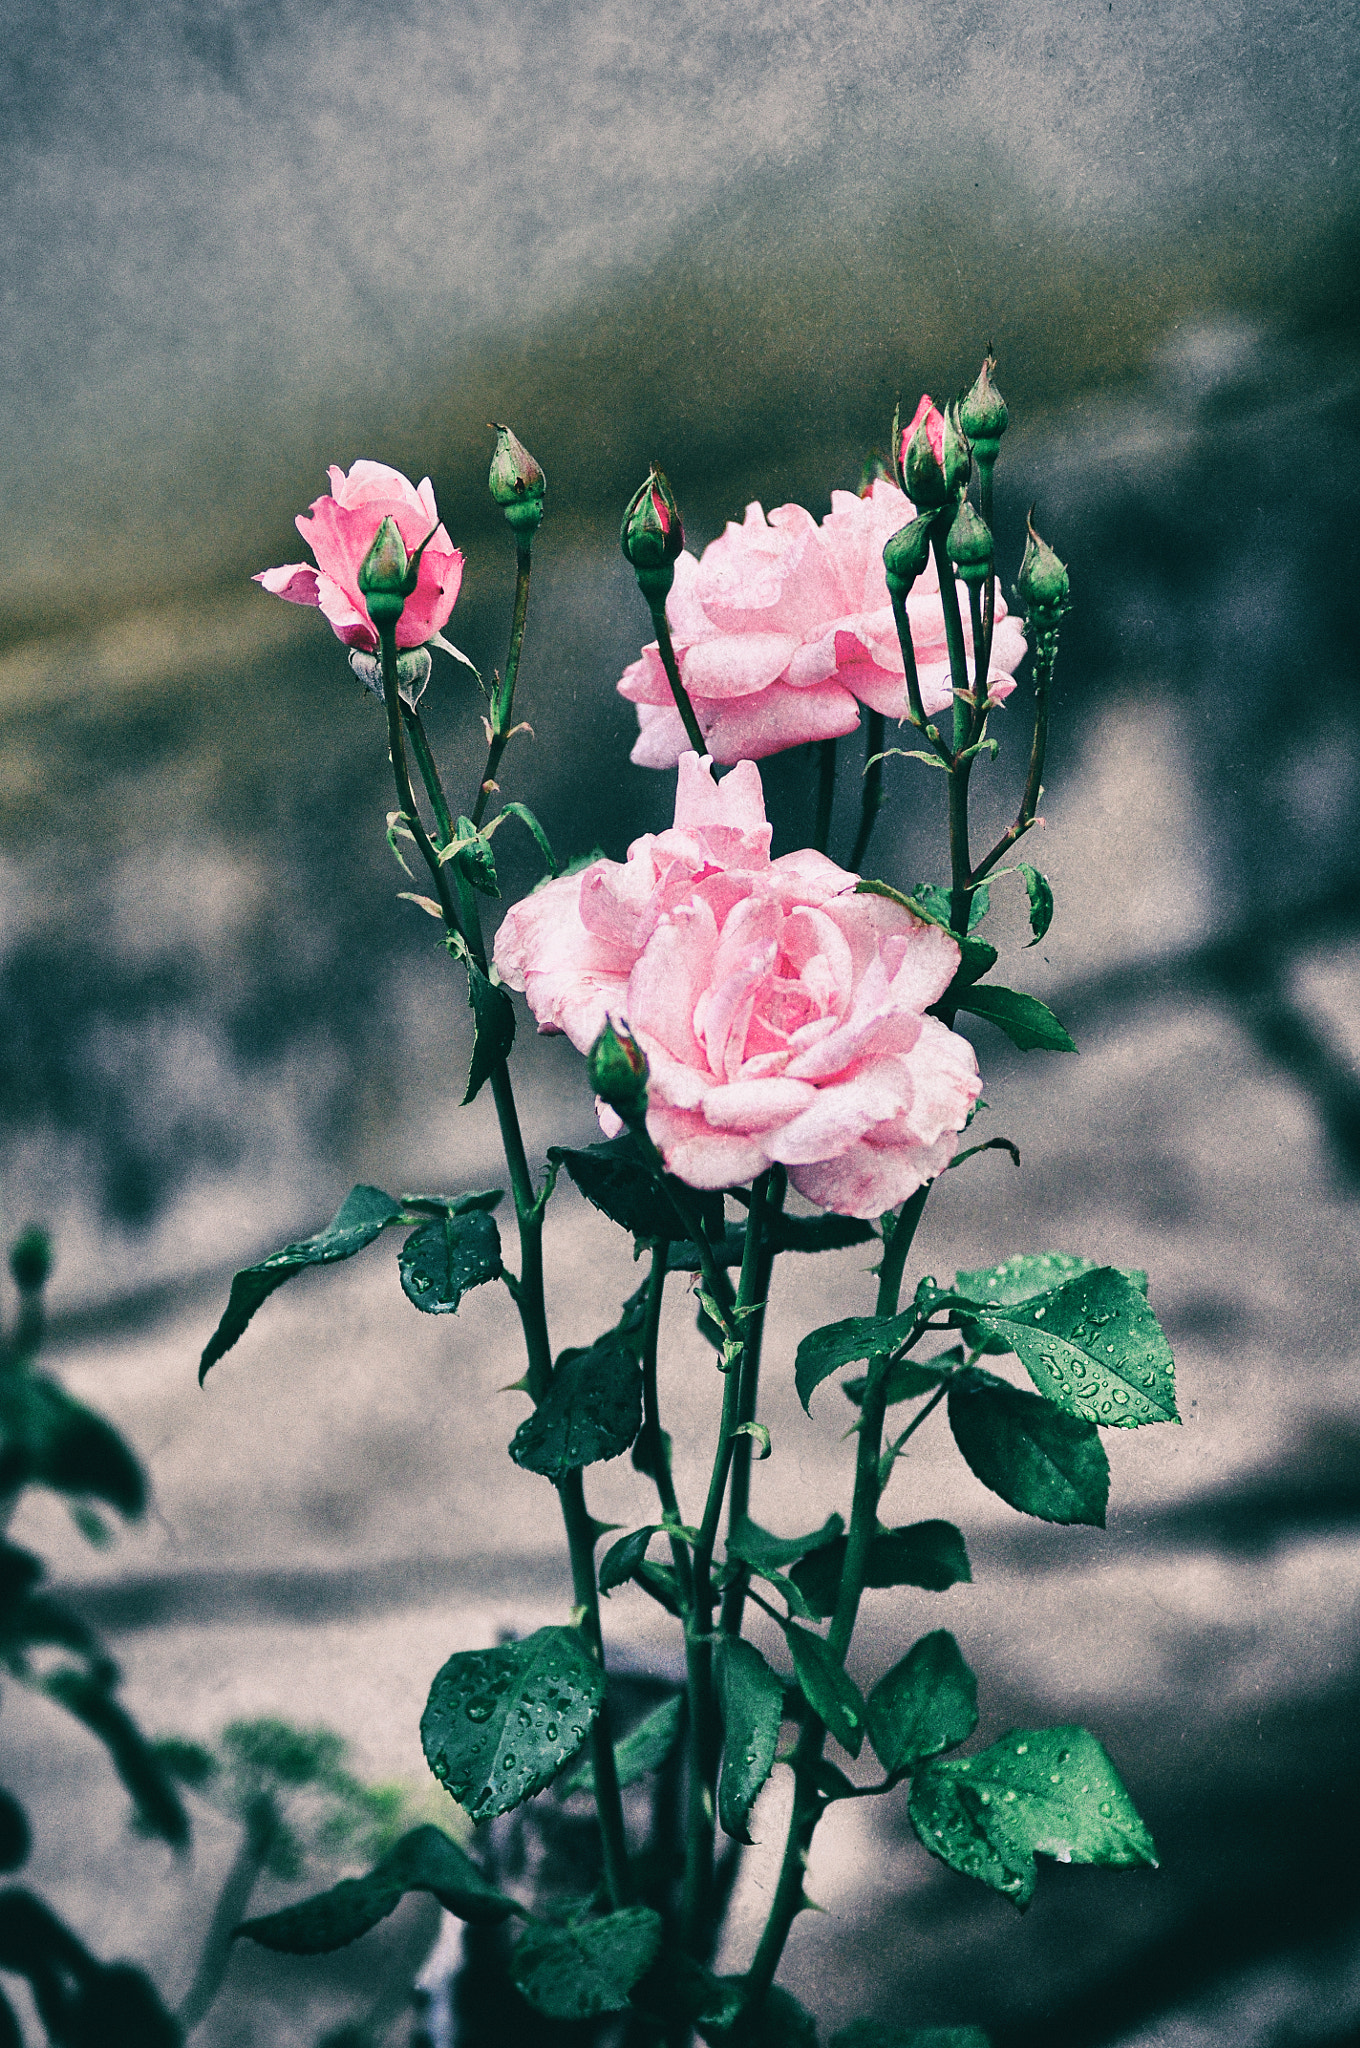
245, 241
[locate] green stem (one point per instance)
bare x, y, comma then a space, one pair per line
503, 694
986, 471
1045, 655
608, 1799
874, 734
705, 1728
396, 745
897, 1243
672, 668
953, 634
981, 662
739, 1488
826, 793
429, 773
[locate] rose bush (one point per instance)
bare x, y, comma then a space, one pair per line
341, 528
782, 1015
783, 628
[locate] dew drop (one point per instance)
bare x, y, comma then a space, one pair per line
984, 1798
965, 1765
1039, 1312
1064, 1756
508, 1760
1078, 1369
1106, 1808
1120, 1395
1022, 1749
480, 1709
1055, 1777
1010, 1799
551, 1731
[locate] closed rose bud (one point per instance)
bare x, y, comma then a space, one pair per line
516, 482
652, 535
983, 416
969, 545
382, 575
30, 1259
618, 1073
1042, 586
920, 457
907, 553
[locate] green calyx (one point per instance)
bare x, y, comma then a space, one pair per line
516, 482
618, 1073
382, 575
922, 476
958, 452
907, 553
652, 535
1043, 586
969, 544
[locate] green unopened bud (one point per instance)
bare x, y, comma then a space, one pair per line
983, 415
652, 535
957, 460
907, 553
618, 1073
30, 1259
1042, 586
382, 576
516, 482
969, 545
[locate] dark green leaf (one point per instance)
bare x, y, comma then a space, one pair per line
641, 1751
826, 1687
1040, 893
48, 1439
825, 1351
14, 1836
362, 1216
425, 1860
441, 1260
926, 1703
825, 1233
578, 1973
622, 1559
1031, 1273
1038, 1457
881, 2034
907, 1377
727, 1247
659, 1581
935, 903
1044, 1791
756, 1546
928, 1554
527, 818
577, 865
611, 1176
88, 1696
1094, 1347
783, 2023
591, 1412
477, 1742
493, 1028
1028, 1023
752, 1702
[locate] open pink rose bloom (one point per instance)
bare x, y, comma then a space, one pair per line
340, 530
782, 1015
783, 628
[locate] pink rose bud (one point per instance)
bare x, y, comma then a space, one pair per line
906, 555
969, 546
618, 1073
382, 575
1042, 586
983, 415
920, 456
652, 536
516, 482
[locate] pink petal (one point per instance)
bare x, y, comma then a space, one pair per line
736, 664
297, 581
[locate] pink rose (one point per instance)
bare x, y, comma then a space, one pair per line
783, 628
340, 530
782, 1015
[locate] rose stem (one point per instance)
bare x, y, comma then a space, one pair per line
503, 696
807, 1800
429, 773
826, 793
705, 1733
672, 668
529, 1296
873, 787
986, 471
1045, 655
739, 1489
960, 873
